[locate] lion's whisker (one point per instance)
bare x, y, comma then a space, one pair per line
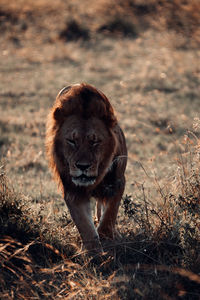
120, 156
116, 159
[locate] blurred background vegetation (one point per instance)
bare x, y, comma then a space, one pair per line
48, 21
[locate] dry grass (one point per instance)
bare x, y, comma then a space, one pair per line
156, 258
115, 18
144, 56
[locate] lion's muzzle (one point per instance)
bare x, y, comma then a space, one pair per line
84, 180
83, 175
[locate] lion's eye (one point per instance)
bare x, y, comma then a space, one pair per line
71, 142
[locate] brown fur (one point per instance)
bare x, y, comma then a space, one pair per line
87, 152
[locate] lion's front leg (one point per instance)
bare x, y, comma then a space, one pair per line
81, 214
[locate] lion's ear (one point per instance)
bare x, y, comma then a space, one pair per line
64, 90
58, 114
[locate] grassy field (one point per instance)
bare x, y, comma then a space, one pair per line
145, 57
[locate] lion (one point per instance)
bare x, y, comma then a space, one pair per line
87, 153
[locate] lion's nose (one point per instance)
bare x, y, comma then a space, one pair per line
82, 166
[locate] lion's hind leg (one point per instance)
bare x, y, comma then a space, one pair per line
100, 207
98, 210
106, 228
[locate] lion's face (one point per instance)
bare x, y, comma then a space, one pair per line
88, 149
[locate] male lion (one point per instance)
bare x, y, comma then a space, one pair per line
87, 152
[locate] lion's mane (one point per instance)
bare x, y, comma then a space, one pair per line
81, 100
